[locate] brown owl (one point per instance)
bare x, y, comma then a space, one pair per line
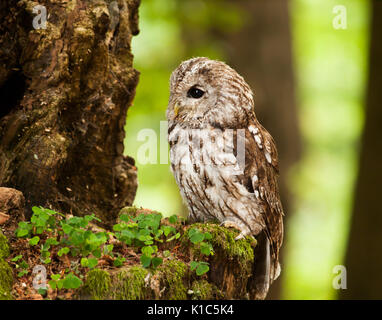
224, 162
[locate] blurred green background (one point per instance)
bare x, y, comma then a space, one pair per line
330, 68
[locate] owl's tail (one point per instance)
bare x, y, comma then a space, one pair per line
265, 270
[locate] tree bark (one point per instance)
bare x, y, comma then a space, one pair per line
364, 255
64, 94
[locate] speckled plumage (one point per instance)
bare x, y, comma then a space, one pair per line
224, 162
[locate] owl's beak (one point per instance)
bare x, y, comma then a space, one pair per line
176, 109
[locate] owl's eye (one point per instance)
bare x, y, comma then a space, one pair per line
195, 93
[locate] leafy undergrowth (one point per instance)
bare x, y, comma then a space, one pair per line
52, 253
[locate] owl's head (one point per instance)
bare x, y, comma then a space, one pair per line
204, 91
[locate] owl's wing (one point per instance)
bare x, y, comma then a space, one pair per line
260, 178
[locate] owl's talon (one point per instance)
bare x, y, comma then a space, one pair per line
240, 236
230, 224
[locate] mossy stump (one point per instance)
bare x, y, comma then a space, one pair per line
230, 271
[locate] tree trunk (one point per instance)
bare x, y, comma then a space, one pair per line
64, 91
364, 255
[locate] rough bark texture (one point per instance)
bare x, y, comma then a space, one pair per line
64, 94
364, 255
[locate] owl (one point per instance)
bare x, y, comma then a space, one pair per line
224, 162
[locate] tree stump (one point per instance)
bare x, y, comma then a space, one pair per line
64, 93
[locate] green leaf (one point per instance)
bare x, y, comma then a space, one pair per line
118, 227
192, 231
66, 228
167, 230
34, 241
128, 234
206, 248
47, 261
145, 260
125, 217
72, 282
207, 236
60, 283
45, 254
108, 249
84, 262
119, 261
144, 238
92, 262
202, 268
63, 251
22, 233
51, 241
194, 265
156, 261
55, 277
22, 273
173, 219
17, 258
97, 253
158, 233
197, 237
52, 284
36, 210
148, 250
42, 291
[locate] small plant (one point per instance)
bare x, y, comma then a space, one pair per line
41, 220
70, 236
143, 231
60, 237
200, 267
201, 240
24, 266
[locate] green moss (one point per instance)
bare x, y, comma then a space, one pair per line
6, 281
173, 274
203, 290
131, 211
98, 284
122, 284
6, 278
130, 284
4, 248
223, 239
